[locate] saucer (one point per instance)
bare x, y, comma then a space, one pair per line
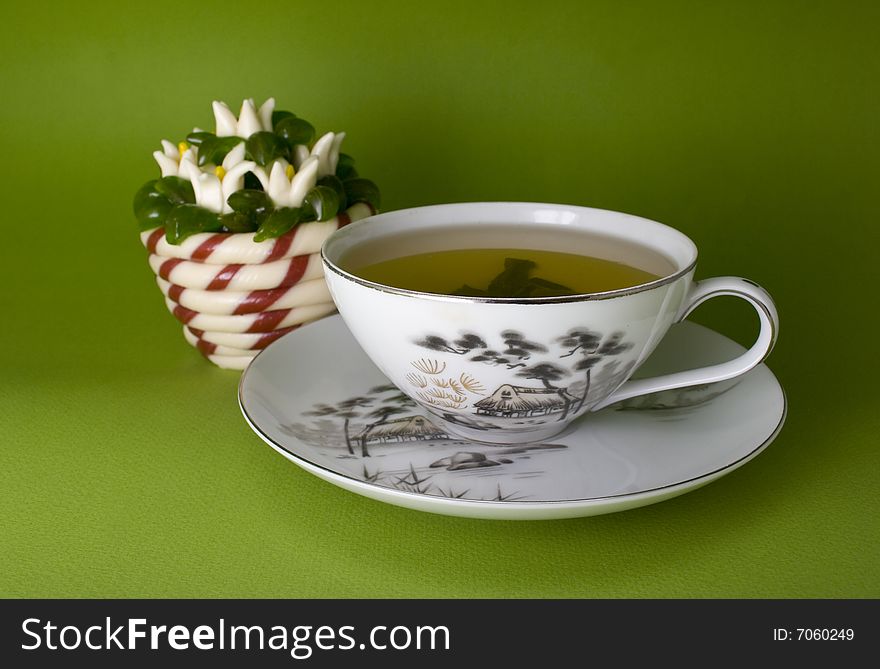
315, 397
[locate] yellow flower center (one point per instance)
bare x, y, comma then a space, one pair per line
220, 172
290, 171
182, 147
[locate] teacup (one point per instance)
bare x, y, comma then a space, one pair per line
581, 350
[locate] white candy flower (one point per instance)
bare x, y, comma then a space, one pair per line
300, 153
327, 151
171, 158
213, 185
285, 186
249, 121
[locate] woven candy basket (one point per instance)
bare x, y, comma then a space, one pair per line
235, 225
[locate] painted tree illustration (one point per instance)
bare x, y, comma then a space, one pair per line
346, 409
321, 433
465, 344
611, 375
378, 390
545, 372
397, 396
399, 399
380, 415
517, 348
593, 349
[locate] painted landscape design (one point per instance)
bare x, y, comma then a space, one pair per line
383, 437
559, 377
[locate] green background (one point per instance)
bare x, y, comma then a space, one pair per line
125, 466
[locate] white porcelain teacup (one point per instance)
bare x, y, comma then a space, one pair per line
562, 356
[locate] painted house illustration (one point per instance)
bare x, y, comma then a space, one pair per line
520, 402
411, 428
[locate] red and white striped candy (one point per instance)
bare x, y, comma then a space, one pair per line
237, 277
226, 357
230, 302
235, 296
265, 321
223, 248
208, 348
247, 341
231, 361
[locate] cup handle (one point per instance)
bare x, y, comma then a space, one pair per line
700, 292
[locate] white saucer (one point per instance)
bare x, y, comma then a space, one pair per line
644, 451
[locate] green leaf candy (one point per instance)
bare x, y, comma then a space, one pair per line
278, 116
188, 219
264, 147
252, 181
249, 201
323, 201
249, 209
277, 223
150, 206
295, 130
333, 182
176, 189
362, 190
197, 138
345, 167
236, 221
214, 149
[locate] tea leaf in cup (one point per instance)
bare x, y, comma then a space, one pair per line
470, 291
538, 287
513, 280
